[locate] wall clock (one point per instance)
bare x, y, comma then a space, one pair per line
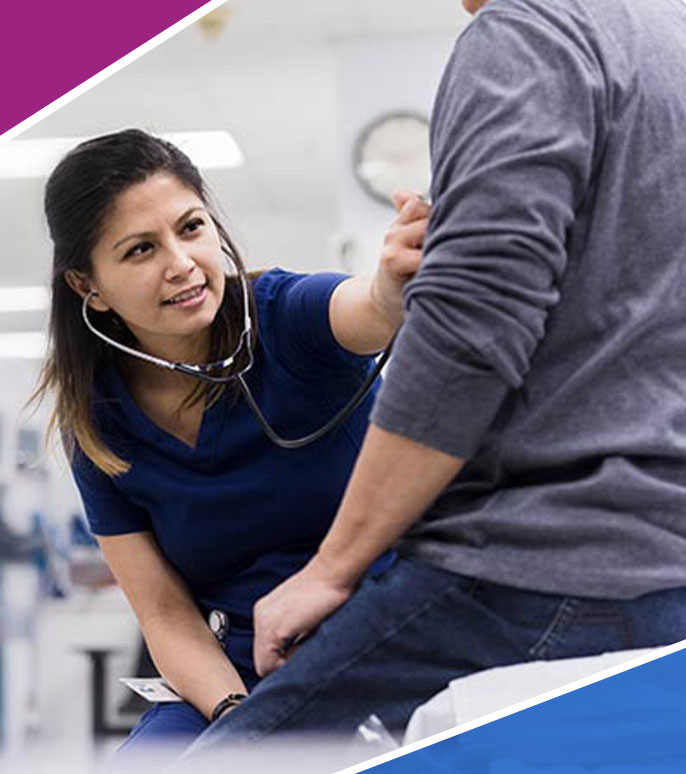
392, 153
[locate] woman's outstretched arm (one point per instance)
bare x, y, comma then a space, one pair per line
365, 312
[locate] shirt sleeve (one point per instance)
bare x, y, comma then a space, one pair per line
107, 510
295, 319
516, 132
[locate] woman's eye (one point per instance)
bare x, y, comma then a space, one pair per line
139, 249
193, 225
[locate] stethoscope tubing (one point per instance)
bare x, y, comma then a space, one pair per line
202, 372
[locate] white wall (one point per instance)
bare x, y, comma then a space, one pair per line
379, 75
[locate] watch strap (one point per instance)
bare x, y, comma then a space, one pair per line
231, 700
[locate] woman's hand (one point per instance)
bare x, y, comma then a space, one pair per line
365, 312
401, 255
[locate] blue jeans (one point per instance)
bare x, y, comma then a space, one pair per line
406, 633
167, 727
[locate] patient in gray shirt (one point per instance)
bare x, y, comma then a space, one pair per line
545, 344
545, 336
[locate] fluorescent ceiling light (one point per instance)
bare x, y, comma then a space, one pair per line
38, 157
208, 150
28, 346
23, 299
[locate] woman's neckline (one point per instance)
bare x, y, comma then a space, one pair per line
152, 420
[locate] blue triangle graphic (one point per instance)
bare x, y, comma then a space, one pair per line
631, 723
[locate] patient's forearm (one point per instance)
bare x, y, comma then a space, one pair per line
395, 479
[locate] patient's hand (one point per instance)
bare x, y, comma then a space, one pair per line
290, 612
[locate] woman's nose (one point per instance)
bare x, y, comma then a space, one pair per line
180, 263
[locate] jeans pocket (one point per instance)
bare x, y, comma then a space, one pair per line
581, 627
383, 564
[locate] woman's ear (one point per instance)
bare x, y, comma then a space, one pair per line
82, 286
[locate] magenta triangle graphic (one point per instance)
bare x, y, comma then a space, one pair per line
47, 49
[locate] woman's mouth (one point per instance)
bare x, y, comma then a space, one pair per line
188, 298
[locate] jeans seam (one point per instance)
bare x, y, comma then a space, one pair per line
473, 587
384, 638
563, 614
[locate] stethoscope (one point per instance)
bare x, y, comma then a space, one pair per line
203, 371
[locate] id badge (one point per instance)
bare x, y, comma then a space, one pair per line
153, 689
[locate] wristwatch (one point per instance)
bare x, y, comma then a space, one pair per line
218, 622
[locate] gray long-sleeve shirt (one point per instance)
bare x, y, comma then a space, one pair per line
545, 335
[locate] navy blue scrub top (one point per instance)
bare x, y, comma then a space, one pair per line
236, 515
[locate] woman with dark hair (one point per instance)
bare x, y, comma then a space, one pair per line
197, 513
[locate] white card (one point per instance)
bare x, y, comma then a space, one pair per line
151, 688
